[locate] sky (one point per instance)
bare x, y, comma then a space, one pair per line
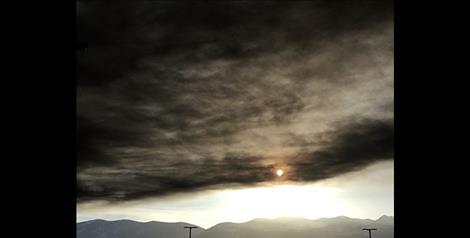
186, 110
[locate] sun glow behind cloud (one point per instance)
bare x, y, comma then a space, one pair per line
364, 194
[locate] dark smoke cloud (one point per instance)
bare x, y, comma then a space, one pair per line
348, 148
179, 96
351, 147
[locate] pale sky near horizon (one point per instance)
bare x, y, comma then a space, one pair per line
366, 194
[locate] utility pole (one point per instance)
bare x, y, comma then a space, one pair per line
367, 229
190, 228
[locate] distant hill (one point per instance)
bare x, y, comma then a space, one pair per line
287, 227
132, 229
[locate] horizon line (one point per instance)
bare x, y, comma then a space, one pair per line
250, 220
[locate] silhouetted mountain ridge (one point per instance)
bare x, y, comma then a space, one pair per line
386, 219
134, 229
295, 227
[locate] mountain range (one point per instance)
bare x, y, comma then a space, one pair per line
285, 227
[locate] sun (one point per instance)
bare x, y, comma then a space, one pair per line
279, 172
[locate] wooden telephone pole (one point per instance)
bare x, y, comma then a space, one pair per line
190, 228
367, 229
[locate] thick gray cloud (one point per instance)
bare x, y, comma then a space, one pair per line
182, 96
348, 148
